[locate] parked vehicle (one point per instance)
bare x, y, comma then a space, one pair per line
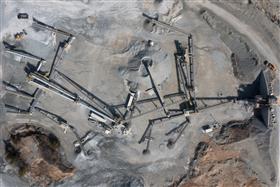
22, 16
209, 128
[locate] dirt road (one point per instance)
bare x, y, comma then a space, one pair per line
244, 29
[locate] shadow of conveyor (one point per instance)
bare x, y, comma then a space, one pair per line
245, 92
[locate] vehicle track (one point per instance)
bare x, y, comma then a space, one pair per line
243, 28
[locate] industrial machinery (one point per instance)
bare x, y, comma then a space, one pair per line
79, 144
23, 54
109, 116
148, 62
38, 24
154, 20
49, 85
64, 45
15, 90
180, 129
96, 100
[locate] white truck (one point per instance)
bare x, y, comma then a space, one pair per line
210, 127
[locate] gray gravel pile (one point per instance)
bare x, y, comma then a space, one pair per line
135, 71
244, 58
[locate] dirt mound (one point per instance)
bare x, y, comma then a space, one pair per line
221, 166
216, 162
219, 153
233, 131
135, 73
244, 57
45, 173
37, 155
